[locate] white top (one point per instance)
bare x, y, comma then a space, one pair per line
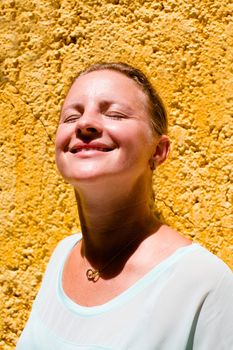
184, 303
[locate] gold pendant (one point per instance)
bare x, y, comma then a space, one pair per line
92, 275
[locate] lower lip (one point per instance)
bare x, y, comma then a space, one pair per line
88, 153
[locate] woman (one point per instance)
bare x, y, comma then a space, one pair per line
128, 281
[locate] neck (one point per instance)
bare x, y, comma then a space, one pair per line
113, 218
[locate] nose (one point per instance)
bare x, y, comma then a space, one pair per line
89, 126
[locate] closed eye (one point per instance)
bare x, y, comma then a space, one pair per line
71, 118
115, 116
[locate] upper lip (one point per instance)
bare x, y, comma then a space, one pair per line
99, 146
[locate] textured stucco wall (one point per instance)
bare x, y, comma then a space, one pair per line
185, 46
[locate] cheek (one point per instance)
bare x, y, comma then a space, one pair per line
140, 138
62, 138
137, 144
131, 131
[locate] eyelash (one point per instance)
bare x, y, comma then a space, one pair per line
116, 116
71, 118
74, 118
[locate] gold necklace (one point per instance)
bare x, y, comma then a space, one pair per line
94, 274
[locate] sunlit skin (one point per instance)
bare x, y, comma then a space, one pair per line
105, 111
106, 149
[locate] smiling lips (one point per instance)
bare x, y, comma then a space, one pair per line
90, 147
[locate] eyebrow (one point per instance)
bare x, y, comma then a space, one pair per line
105, 103
75, 105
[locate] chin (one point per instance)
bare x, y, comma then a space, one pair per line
84, 178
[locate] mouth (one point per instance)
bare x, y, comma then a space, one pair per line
85, 149
88, 148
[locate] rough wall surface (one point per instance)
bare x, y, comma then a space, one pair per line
185, 46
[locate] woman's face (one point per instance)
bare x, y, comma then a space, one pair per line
104, 129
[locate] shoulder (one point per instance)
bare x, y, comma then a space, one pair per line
201, 267
207, 260
65, 246
61, 252
192, 261
67, 242
55, 265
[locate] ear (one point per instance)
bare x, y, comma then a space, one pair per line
161, 151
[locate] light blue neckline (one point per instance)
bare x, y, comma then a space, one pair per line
128, 293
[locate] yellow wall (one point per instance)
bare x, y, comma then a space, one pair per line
185, 46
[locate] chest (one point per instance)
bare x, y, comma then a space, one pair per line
120, 278
142, 318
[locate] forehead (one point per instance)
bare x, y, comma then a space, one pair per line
107, 85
